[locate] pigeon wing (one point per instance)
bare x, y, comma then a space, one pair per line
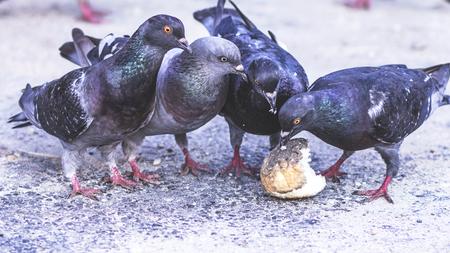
399, 104
58, 106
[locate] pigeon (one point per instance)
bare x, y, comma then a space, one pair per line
360, 108
98, 106
274, 75
88, 14
191, 88
358, 4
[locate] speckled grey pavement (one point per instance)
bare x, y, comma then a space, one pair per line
221, 214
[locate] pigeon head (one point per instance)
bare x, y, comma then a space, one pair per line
296, 115
163, 31
266, 77
221, 55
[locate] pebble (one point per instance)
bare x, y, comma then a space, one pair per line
157, 162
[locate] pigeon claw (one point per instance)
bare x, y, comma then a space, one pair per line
118, 179
238, 166
138, 175
86, 192
358, 4
194, 168
146, 177
191, 166
380, 192
77, 190
333, 173
375, 194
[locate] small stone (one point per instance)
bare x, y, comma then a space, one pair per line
157, 162
11, 157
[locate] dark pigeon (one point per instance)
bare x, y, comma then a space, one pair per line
273, 76
98, 106
359, 108
191, 90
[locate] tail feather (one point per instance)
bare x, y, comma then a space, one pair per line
26, 102
219, 13
441, 73
213, 16
19, 117
82, 46
246, 20
68, 52
77, 51
25, 124
208, 18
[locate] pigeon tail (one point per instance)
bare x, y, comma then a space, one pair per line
77, 51
247, 21
27, 105
219, 13
26, 102
208, 18
83, 45
19, 117
68, 52
441, 73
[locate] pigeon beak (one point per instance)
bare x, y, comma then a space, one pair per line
239, 70
286, 136
183, 44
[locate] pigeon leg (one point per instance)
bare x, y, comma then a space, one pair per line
190, 165
333, 172
88, 14
237, 165
358, 4
116, 178
378, 193
130, 146
87, 192
392, 160
70, 161
144, 176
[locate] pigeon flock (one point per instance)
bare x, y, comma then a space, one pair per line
154, 83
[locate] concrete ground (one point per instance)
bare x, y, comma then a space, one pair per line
222, 214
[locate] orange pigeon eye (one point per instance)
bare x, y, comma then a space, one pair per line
167, 29
296, 121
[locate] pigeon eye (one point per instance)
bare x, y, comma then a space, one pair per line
296, 121
223, 59
167, 29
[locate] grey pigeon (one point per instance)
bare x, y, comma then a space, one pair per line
98, 106
274, 75
359, 108
191, 89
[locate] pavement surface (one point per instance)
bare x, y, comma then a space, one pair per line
214, 213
